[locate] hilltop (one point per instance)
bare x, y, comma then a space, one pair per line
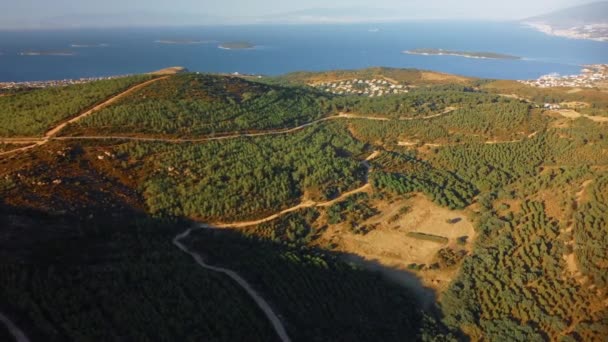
187, 206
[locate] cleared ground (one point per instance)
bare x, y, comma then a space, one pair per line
389, 244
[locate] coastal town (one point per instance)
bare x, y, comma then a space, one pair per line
597, 31
52, 83
369, 88
591, 76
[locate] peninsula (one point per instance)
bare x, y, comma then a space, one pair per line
588, 21
237, 46
442, 52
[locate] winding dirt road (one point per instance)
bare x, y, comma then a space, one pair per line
52, 133
447, 111
17, 333
306, 204
490, 142
262, 304
270, 314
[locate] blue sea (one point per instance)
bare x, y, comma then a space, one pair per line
288, 48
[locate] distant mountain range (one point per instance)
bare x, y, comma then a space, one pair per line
150, 18
588, 21
128, 19
334, 15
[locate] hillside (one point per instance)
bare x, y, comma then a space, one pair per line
589, 21
222, 208
407, 76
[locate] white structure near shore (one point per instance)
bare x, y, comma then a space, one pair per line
590, 76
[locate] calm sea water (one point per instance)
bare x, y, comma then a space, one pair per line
282, 49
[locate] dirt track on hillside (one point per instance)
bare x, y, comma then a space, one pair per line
262, 304
17, 333
305, 204
52, 133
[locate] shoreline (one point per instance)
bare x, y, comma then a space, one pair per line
235, 49
448, 53
563, 33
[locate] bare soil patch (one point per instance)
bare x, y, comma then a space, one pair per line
436, 76
572, 114
390, 245
572, 268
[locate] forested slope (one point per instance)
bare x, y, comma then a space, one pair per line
31, 113
87, 224
193, 104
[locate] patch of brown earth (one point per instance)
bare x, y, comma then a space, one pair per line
389, 244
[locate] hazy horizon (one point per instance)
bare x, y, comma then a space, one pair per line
39, 14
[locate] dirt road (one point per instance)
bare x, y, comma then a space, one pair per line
17, 333
306, 204
381, 118
270, 314
52, 133
262, 304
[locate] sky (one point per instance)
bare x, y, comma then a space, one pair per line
53, 13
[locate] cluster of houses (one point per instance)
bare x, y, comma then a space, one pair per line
589, 77
370, 88
53, 83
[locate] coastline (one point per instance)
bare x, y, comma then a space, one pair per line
236, 49
183, 42
80, 46
563, 33
43, 53
447, 53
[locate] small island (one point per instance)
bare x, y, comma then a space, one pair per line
47, 53
237, 46
102, 45
182, 41
442, 52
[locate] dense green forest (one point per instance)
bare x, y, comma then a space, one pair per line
513, 287
294, 229
193, 104
31, 113
248, 177
402, 174
100, 268
86, 281
491, 167
504, 120
590, 234
595, 99
321, 297
125, 280
5, 334
416, 104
